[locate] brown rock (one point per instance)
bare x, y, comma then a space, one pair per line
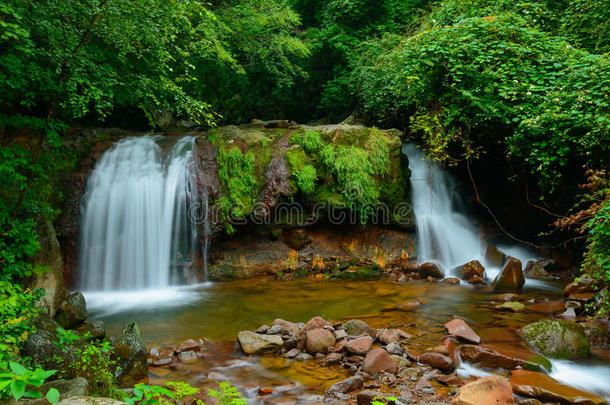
493, 256
387, 336
368, 397
583, 285
545, 388
359, 346
477, 280
547, 307
488, 357
471, 269
494, 390
378, 360
343, 387
316, 323
332, 358
319, 341
451, 280
405, 306
460, 329
430, 269
291, 328
265, 391
189, 344
437, 360
511, 277
534, 269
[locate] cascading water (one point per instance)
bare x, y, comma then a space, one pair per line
135, 231
444, 235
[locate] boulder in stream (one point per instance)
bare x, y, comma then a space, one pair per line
255, 343
557, 339
131, 355
319, 340
545, 388
430, 269
493, 256
72, 311
378, 360
356, 327
493, 390
511, 277
460, 329
471, 269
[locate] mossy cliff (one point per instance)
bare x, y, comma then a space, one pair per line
331, 167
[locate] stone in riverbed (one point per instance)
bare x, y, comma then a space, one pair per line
345, 386
378, 360
131, 354
534, 269
471, 269
460, 329
451, 280
356, 327
493, 256
547, 307
545, 388
188, 356
485, 357
189, 345
558, 339
292, 353
387, 336
583, 284
319, 341
255, 343
315, 323
291, 328
477, 280
511, 277
394, 348
430, 269
303, 357
494, 390
332, 358
72, 311
82, 400
359, 346
437, 360
511, 306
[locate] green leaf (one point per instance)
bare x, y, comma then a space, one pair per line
17, 368
53, 395
17, 389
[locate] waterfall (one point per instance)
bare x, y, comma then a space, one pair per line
444, 235
135, 231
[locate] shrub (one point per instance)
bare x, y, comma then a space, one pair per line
19, 382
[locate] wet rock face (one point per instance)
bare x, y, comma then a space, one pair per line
72, 311
359, 346
545, 388
511, 278
493, 256
131, 355
437, 360
460, 329
557, 339
493, 390
319, 340
472, 269
430, 269
41, 346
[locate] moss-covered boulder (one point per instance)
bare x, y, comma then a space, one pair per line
557, 339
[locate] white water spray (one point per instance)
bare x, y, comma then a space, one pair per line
444, 235
135, 228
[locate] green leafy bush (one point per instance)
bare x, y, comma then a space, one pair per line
20, 382
180, 392
18, 311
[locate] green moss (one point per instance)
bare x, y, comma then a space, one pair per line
306, 179
357, 273
296, 159
311, 141
557, 339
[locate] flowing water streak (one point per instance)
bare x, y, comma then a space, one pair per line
135, 227
444, 235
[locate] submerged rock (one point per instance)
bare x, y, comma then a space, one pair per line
511, 306
545, 388
558, 339
511, 278
437, 360
494, 390
254, 343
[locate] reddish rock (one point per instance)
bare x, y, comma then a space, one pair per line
291, 328
601, 353
189, 345
477, 280
378, 360
405, 265
545, 388
387, 336
345, 386
447, 347
460, 329
319, 341
471, 269
332, 358
486, 357
437, 360
583, 285
430, 269
547, 307
494, 390
511, 277
359, 346
265, 391
316, 323
451, 280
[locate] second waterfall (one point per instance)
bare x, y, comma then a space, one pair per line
135, 232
